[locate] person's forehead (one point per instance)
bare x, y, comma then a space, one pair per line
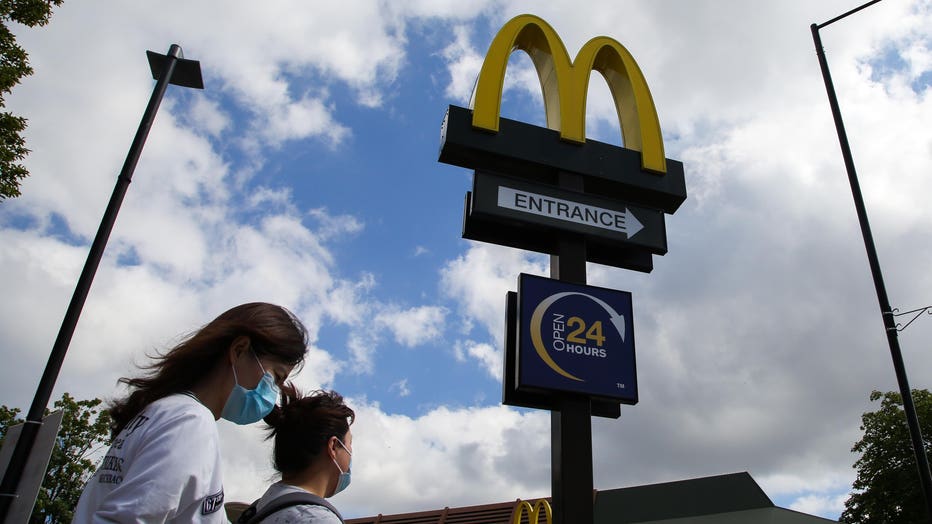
276, 366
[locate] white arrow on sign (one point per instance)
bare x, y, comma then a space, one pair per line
632, 224
569, 211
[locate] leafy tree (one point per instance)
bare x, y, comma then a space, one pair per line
887, 488
14, 65
84, 428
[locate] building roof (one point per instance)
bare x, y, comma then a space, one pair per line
726, 499
683, 498
499, 513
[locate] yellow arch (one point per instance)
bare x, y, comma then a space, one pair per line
537, 341
565, 86
533, 511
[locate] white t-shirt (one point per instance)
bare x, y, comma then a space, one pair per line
294, 514
163, 467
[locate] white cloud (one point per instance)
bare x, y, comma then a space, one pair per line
362, 346
301, 119
207, 114
414, 326
276, 198
445, 9
488, 358
827, 505
336, 226
464, 62
371, 321
786, 484
417, 462
479, 278
348, 300
318, 371
401, 387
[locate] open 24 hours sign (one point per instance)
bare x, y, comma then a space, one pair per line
575, 338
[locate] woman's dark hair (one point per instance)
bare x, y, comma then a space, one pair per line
303, 425
273, 332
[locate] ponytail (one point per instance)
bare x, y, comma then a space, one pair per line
303, 425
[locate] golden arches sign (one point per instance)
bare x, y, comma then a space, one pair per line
565, 85
533, 511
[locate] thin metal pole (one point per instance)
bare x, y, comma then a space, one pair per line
889, 322
571, 422
849, 13
27, 437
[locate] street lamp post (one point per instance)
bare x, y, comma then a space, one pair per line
886, 311
171, 68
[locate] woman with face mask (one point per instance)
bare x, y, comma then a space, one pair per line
313, 452
164, 462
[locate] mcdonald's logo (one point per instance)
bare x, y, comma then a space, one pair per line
511, 157
533, 512
565, 85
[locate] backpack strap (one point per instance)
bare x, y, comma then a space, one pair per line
253, 516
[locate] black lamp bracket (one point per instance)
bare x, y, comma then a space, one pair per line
915, 312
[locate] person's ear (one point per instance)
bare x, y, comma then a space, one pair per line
240, 345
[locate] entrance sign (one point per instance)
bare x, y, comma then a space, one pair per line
618, 221
600, 220
576, 339
565, 86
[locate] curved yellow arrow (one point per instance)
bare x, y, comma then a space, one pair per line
536, 319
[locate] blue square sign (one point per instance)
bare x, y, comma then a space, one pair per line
575, 338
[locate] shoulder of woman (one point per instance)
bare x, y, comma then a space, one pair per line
173, 402
174, 411
303, 513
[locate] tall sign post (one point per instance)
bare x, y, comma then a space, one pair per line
569, 347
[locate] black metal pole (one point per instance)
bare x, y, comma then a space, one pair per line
571, 423
27, 437
886, 312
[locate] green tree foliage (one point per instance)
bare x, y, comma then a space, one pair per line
14, 65
887, 488
84, 429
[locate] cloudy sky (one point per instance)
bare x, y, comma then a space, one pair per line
306, 174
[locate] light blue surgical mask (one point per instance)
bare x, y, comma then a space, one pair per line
344, 480
246, 406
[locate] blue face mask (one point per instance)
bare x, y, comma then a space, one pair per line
245, 406
344, 480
